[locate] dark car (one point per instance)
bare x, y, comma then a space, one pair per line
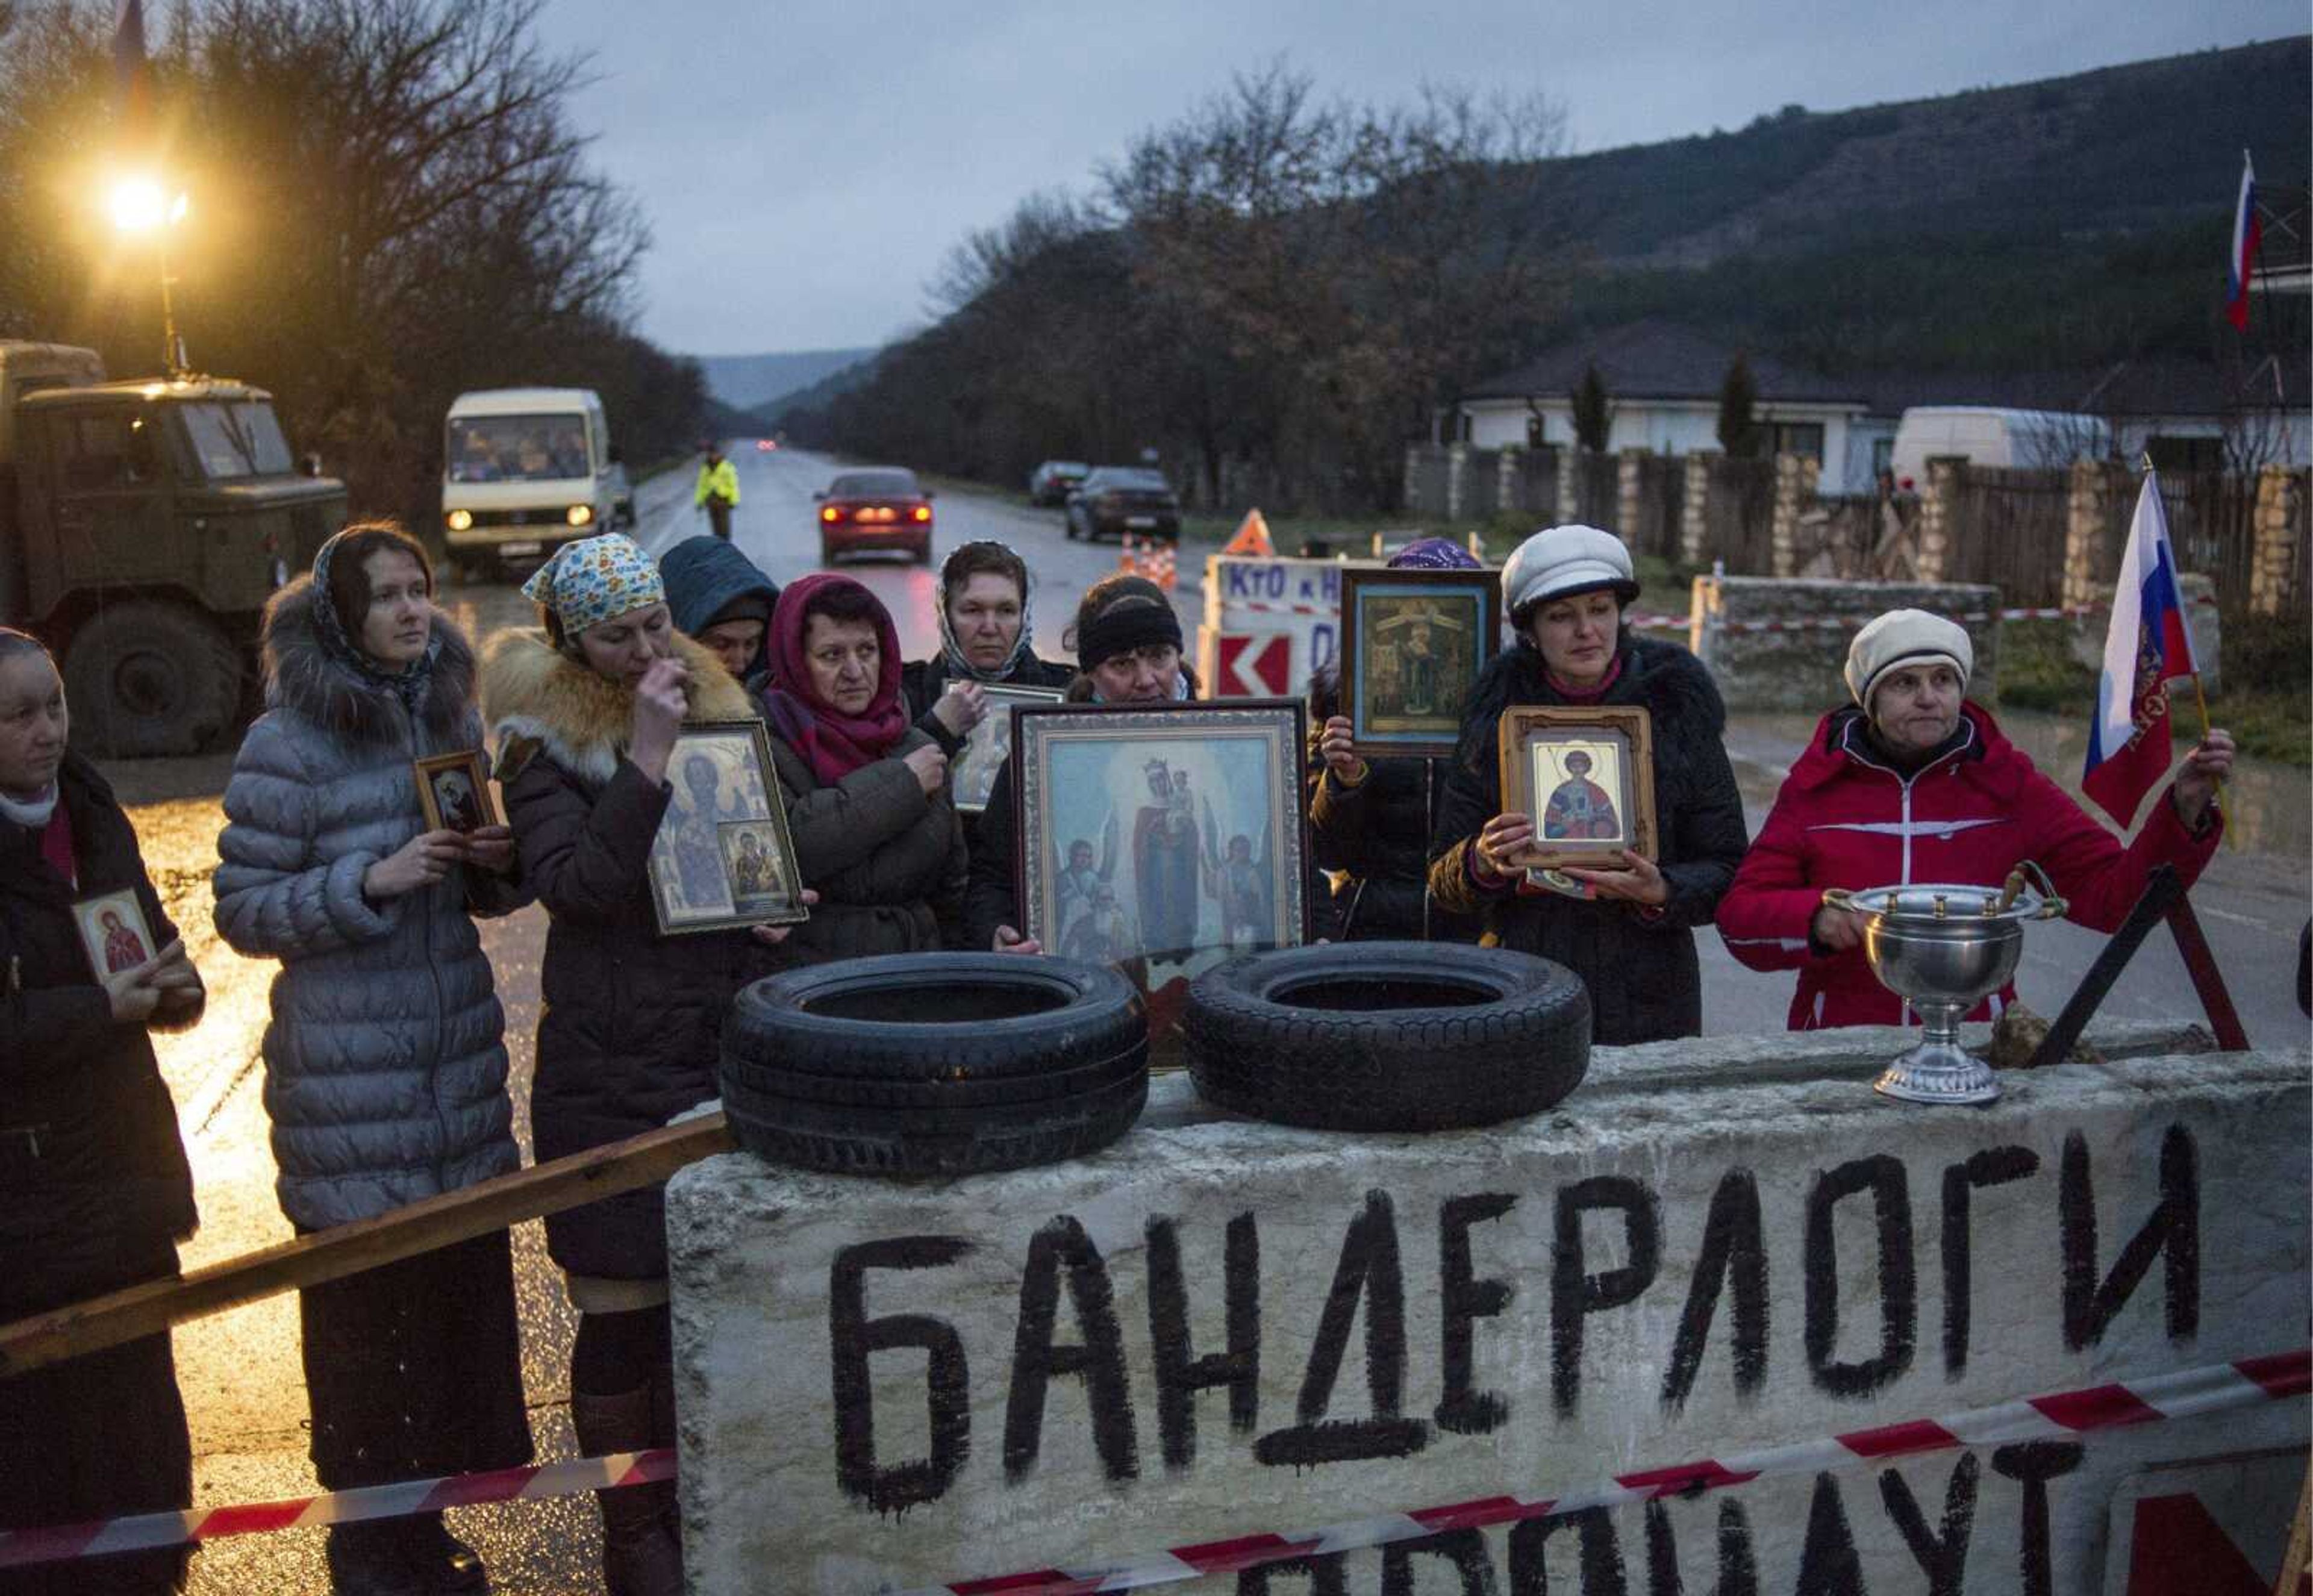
1053, 482
861, 511
1124, 501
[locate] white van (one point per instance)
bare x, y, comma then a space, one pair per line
1988, 436
525, 470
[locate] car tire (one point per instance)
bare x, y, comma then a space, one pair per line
863, 1142
1388, 1036
147, 678
1032, 1059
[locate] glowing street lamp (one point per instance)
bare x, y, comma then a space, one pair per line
140, 205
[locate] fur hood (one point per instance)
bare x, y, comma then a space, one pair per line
538, 700
302, 678
1670, 683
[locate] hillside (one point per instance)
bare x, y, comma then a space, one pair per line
756, 381
2136, 149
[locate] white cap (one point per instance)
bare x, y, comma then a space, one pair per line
1905, 637
1567, 559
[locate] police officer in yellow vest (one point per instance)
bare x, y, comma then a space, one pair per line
718, 489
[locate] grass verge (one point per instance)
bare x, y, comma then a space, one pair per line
2266, 701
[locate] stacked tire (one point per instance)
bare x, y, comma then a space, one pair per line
934, 1064
1388, 1036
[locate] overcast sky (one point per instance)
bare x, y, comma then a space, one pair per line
806, 165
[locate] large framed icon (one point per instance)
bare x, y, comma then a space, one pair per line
1161, 838
1586, 775
722, 856
1412, 645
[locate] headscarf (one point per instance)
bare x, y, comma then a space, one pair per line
1023, 646
594, 580
1434, 554
409, 683
832, 743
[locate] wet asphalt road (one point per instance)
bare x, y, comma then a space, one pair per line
240, 1371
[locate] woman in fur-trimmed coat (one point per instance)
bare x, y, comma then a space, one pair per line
385, 1066
587, 710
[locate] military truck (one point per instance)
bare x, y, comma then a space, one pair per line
143, 526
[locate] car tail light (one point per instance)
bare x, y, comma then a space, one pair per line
923, 513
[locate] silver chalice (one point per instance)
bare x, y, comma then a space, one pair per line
1944, 949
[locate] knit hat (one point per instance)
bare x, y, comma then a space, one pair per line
1905, 637
594, 580
1433, 554
1560, 561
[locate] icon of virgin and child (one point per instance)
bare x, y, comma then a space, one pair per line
1179, 863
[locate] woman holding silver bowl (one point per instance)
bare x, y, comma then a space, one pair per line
1912, 782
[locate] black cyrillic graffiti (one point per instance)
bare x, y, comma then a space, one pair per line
1602, 1568
1994, 1166
1465, 1549
1734, 1252
1942, 1557
2174, 1230
1738, 1565
1464, 1299
2033, 1464
1883, 1176
1099, 1361
1324, 1572
854, 1338
1575, 1292
1368, 1270
1179, 1376
1828, 1562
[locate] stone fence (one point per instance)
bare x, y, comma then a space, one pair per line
2042, 538
1220, 1328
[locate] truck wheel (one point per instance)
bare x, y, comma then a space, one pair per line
147, 677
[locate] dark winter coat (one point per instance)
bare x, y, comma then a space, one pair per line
1639, 964
1374, 837
94, 1189
1847, 818
385, 1063
705, 574
887, 861
632, 1019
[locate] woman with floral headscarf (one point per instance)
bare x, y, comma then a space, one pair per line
866, 792
587, 710
384, 1067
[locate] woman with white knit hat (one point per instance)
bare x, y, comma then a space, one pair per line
1914, 781
1631, 938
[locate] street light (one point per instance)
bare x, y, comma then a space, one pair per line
140, 205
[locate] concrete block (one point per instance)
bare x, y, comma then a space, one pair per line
1218, 1327
1779, 645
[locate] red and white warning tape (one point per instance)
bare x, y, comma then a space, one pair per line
143, 1531
2186, 1394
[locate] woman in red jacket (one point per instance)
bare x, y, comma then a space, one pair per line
1914, 783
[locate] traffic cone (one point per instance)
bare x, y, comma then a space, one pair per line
1251, 537
1165, 569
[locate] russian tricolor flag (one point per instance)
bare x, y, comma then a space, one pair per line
2246, 235
2147, 644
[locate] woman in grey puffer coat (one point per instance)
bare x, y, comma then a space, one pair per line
384, 1067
